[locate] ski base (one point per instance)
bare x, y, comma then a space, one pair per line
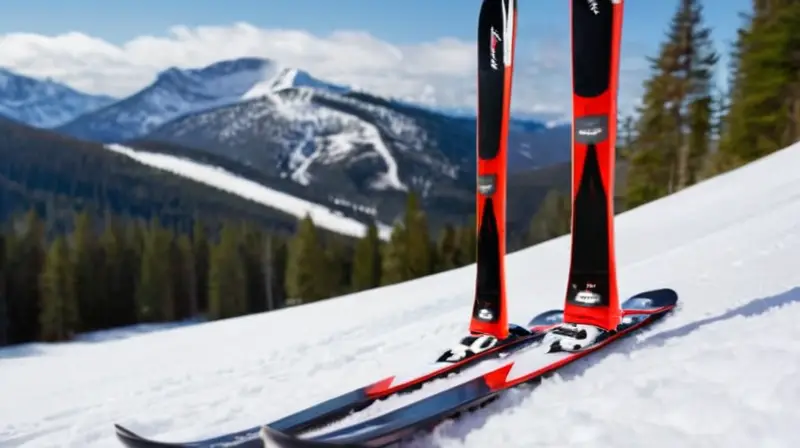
531, 367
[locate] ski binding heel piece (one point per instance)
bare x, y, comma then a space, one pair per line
575, 337
469, 346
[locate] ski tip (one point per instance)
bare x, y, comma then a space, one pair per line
125, 432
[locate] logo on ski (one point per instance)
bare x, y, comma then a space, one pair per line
494, 38
591, 129
594, 7
486, 184
588, 298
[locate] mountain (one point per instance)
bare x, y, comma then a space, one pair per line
56, 174
43, 103
721, 371
357, 147
181, 91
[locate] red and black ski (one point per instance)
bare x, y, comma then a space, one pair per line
592, 297
525, 367
496, 38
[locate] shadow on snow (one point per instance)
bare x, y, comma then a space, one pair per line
477, 419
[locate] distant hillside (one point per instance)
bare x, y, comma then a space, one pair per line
57, 174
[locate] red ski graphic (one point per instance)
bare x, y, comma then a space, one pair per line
496, 38
592, 296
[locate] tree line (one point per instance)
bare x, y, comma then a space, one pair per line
690, 126
118, 271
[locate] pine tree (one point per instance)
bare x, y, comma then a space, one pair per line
305, 263
154, 294
394, 256
200, 251
183, 278
227, 288
467, 243
367, 261
89, 282
121, 307
24, 265
447, 249
418, 260
276, 258
338, 267
59, 318
552, 219
253, 253
764, 110
672, 138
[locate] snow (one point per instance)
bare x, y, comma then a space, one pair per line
226, 181
43, 103
178, 92
720, 372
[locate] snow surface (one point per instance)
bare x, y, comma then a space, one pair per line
248, 189
720, 372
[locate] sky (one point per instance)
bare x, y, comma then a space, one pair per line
420, 50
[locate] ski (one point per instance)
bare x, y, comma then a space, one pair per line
526, 367
592, 301
496, 38
470, 353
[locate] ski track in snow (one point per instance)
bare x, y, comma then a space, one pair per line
720, 372
226, 181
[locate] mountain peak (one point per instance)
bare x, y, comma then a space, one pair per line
180, 91
43, 103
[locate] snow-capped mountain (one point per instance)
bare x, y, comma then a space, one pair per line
358, 147
43, 103
176, 92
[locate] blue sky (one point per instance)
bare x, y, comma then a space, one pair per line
543, 27
397, 21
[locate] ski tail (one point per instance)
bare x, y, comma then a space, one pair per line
496, 39
592, 296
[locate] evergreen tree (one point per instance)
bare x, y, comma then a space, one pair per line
304, 280
89, 285
276, 258
764, 110
59, 318
447, 249
154, 294
418, 260
121, 308
200, 251
552, 219
25, 261
338, 267
673, 130
394, 256
253, 256
227, 288
183, 278
367, 260
467, 243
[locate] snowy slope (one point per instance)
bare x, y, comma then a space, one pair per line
219, 178
176, 92
721, 372
43, 103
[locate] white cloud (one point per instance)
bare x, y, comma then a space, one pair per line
440, 72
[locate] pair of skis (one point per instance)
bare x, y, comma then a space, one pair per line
496, 356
